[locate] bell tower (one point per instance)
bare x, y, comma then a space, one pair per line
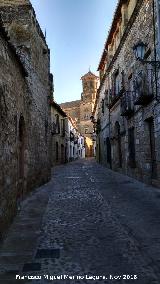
89, 87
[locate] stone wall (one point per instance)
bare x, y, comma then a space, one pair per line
14, 104
24, 100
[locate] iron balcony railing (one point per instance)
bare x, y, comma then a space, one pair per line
144, 87
127, 103
115, 95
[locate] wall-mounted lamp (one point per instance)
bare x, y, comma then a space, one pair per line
140, 50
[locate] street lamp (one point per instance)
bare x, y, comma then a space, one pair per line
139, 51
140, 48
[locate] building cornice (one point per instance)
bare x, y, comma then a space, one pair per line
125, 34
116, 17
58, 108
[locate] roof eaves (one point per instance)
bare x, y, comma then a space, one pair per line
110, 32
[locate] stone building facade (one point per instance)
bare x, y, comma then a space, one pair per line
81, 110
76, 142
25, 88
67, 143
59, 131
127, 109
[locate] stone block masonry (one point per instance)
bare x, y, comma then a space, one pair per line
25, 138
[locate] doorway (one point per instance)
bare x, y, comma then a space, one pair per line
151, 132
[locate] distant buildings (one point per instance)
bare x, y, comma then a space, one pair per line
67, 143
81, 110
35, 133
126, 113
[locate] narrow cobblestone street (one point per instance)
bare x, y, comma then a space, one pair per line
87, 221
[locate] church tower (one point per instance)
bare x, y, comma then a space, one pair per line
89, 86
81, 110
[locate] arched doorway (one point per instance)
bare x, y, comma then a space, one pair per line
21, 162
118, 145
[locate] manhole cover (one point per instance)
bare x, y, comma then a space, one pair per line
48, 253
31, 267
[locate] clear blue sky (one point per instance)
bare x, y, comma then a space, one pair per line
76, 33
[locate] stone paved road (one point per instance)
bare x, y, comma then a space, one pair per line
96, 223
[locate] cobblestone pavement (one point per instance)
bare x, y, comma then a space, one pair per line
96, 223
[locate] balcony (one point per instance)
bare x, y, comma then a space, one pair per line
144, 87
115, 95
127, 104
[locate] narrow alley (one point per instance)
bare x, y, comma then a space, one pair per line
87, 222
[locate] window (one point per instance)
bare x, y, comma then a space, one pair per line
131, 147
57, 124
116, 84
86, 130
86, 116
63, 127
91, 84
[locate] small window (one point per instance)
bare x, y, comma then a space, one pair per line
63, 127
117, 84
57, 124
